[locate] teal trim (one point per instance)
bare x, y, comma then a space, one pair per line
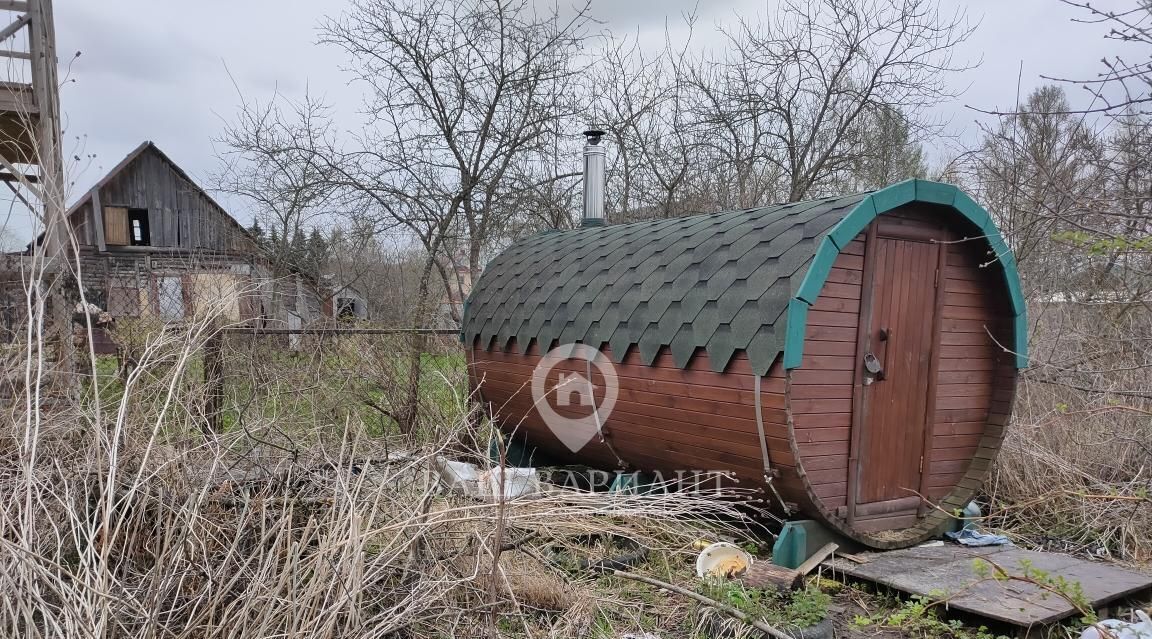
1008, 262
822, 263
791, 547
859, 217
896, 195
794, 337
1021, 350
799, 539
853, 223
978, 216
935, 192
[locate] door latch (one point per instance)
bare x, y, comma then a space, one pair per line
873, 367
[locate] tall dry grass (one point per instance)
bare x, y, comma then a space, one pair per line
1075, 472
123, 517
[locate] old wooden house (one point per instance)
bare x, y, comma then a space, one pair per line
154, 243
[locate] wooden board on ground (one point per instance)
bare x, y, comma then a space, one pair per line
951, 570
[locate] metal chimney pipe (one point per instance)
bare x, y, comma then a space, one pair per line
593, 178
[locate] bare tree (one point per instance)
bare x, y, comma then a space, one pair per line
791, 99
8, 241
1125, 87
640, 99
270, 159
889, 152
1037, 171
464, 97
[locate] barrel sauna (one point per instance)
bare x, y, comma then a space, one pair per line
868, 344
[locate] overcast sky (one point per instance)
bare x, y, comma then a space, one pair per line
170, 71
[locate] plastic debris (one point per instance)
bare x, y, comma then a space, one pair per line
971, 537
701, 544
723, 560
1141, 628
460, 477
517, 482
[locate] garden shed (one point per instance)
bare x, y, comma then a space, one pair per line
853, 357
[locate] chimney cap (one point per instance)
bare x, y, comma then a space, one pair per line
594, 133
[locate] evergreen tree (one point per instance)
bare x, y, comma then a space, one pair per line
890, 154
316, 253
272, 247
297, 251
257, 233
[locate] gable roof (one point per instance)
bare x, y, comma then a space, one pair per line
149, 146
725, 282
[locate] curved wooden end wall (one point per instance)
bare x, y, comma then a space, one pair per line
665, 419
975, 386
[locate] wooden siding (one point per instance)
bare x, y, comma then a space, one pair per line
190, 236
181, 215
666, 419
976, 380
821, 389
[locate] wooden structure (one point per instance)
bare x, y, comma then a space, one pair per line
858, 354
152, 242
32, 166
949, 573
148, 204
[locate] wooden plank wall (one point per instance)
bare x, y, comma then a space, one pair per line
106, 272
821, 389
82, 221
179, 214
970, 362
671, 418
665, 419
975, 382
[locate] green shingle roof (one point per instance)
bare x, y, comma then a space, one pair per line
724, 282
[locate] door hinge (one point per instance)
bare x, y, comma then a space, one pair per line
921, 465
936, 278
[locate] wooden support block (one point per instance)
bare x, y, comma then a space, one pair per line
764, 574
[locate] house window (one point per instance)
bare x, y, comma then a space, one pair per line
170, 297
138, 227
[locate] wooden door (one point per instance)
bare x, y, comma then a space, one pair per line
116, 225
899, 340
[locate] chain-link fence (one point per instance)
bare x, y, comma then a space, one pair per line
123, 293
35, 326
410, 382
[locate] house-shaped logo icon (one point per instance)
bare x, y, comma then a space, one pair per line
575, 384
574, 389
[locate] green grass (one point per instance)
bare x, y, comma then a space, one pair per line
363, 381
357, 380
